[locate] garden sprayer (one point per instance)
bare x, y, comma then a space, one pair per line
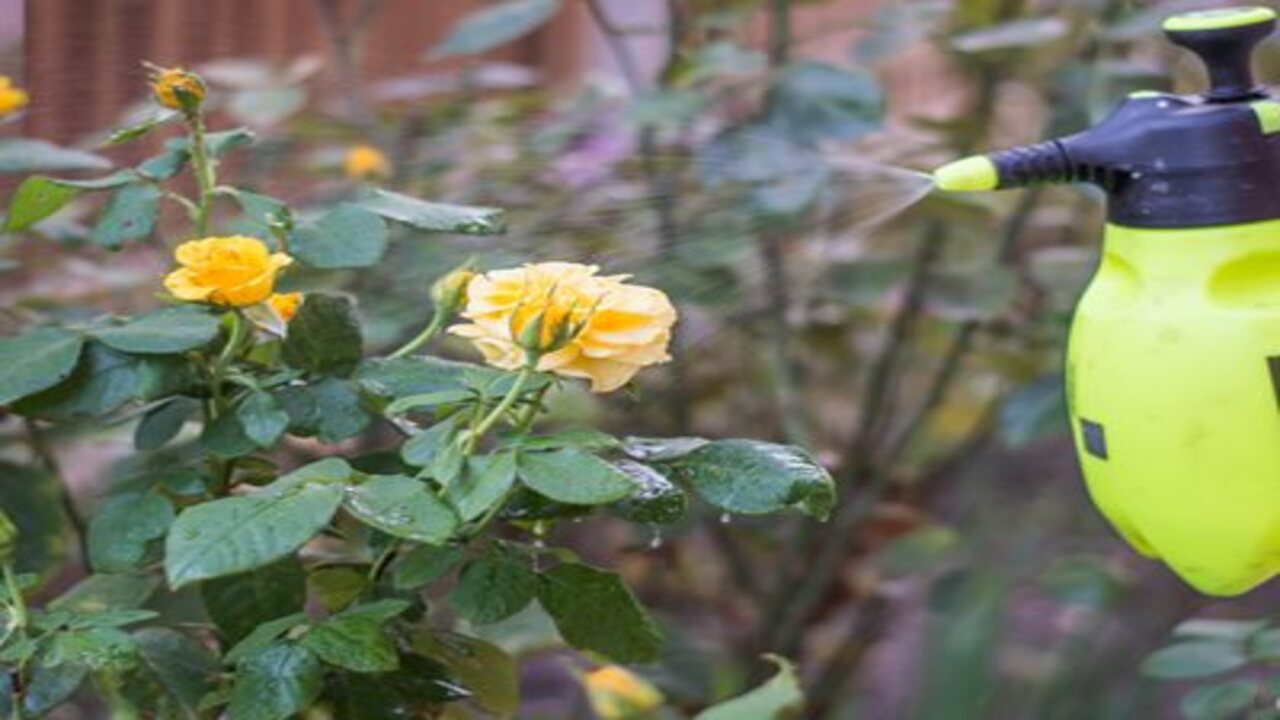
1173, 361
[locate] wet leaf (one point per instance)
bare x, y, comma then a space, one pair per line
493, 588
432, 216
238, 604
275, 683
775, 699
594, 610
403, 507
570, 475
749, 477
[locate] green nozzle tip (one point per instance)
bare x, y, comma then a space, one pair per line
1219, 19
972, 174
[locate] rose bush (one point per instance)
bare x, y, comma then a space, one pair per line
308, 523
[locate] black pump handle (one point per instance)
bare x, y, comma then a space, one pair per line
1224, 39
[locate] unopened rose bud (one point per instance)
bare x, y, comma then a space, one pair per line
177, 89
449, 293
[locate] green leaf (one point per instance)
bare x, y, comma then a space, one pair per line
775, 699
493, 588
424, 565
138, 129
1035, 411
33, 498
50, 685
165, 165
433, 217
131, 215
495, 25
1219, 702
324, 337
337, 587
484, 481
408, 376
1265, 645
348, 236
261, 210
225, 438
330, 410
481, 667
179, 663
240, 603
123, 529
101, 593
36, 199
1193, 659
266, 106
425, 448
36, 360
18, 155
594, 610
163, 422
572, 476
97, 648
235, 534
1219, 629
749, 477
658, 500
428, 400
105, 379
275, 683
217, 143
263, 636
171, 330
403, 507
354, 642
811, 100
262, 419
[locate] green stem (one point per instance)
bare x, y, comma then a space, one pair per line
431, 330
18, 605
530, 412
239, 331
496, 414
206, 175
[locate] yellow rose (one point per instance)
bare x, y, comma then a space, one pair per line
285, 305
615, 328
618, 694
169, 85
365, 162
233, 271
12, 99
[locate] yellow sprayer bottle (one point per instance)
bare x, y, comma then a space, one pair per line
1173, 362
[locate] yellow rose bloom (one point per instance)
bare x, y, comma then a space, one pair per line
232, 271
285, 305
365, 162
620, 328
618, 694
167, 83
12, 99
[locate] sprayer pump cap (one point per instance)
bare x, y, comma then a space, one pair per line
1177, 161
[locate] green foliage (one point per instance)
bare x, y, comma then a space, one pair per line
594, 611
779, 697
35, 361
488, 28
433, 217
324, 337
169, 331
348, 236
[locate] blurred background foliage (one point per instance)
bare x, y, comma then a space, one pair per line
758, 160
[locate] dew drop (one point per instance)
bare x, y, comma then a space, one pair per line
725, 518
655, 541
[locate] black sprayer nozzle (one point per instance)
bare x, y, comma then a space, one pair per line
1167, 160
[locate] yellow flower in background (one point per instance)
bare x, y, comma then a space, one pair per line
365, 162
232, 271
285, 305
12, 99
609, 329
618, 694
169, 85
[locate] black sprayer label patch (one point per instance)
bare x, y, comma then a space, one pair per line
1273, 364
1095, 438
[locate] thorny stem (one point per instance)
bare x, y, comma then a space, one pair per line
205, 172
432, 329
